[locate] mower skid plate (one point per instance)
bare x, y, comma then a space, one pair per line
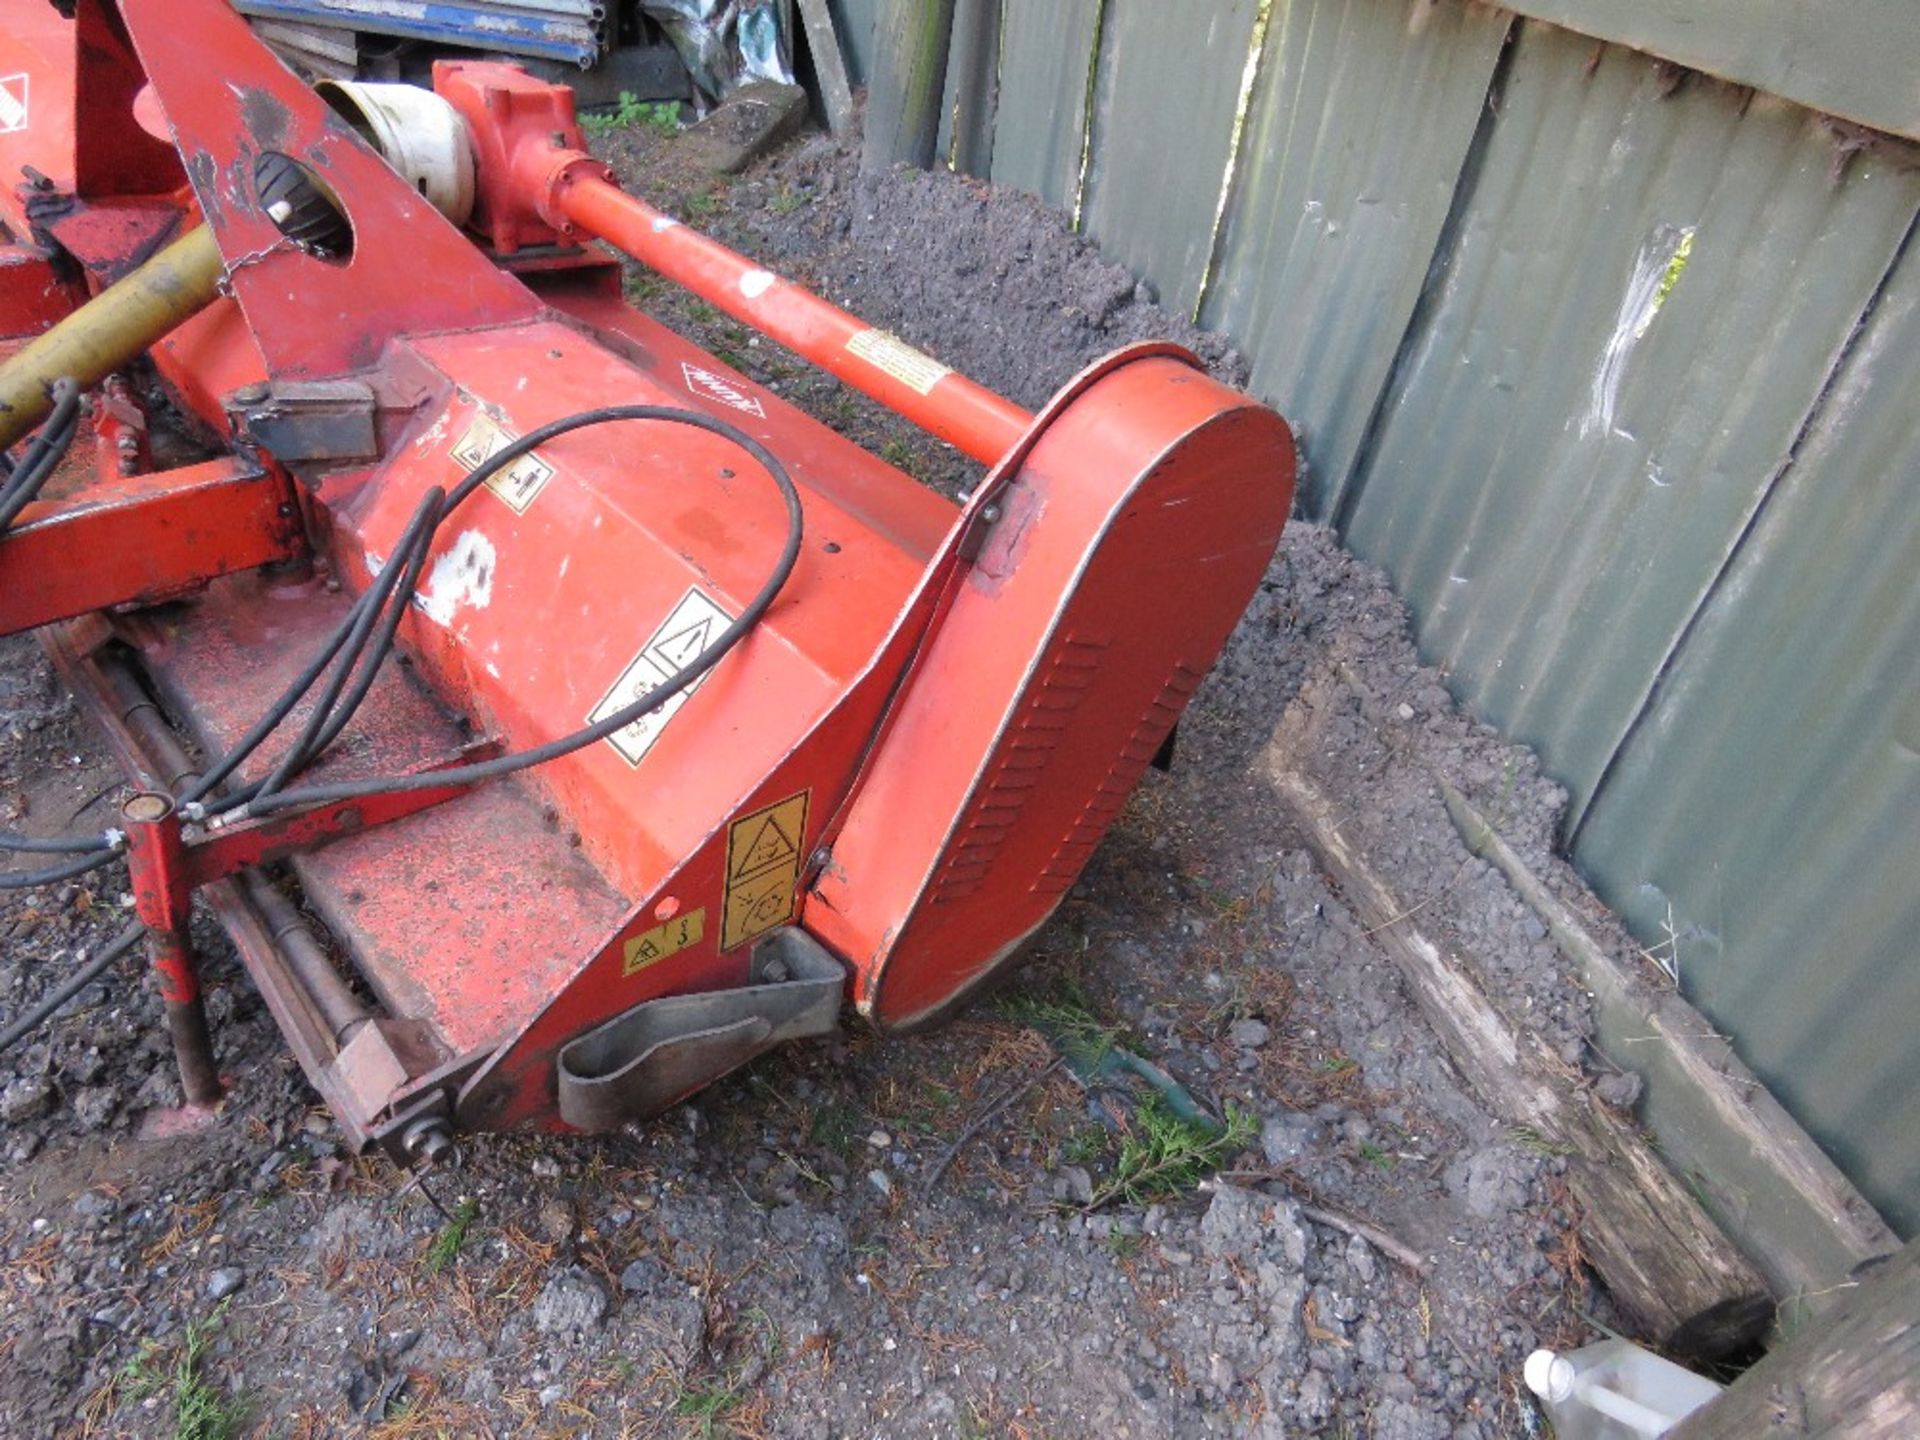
640, 1063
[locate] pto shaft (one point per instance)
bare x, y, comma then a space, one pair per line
967, 415
111, 329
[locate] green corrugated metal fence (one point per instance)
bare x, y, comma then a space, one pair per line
1615, 368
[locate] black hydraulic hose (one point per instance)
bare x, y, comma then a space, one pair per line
408, 557
382, 646
684, 677
71, 986
53, 874
41, 458
278, 712
44, 455
76, 845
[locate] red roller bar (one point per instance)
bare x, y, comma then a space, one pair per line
936, 398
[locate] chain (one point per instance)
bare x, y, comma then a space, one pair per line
254, 257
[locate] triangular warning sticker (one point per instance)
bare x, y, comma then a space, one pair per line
683, 647
13, 103
770, 846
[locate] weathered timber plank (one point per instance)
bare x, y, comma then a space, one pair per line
1669, 1267
1854, 1376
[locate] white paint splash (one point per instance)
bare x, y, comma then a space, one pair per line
663, 223
1655, 270
756, 283
462, 576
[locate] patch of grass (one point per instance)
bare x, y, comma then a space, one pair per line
1167, 1155
643, 286
788, 201
835, 1127
897, 454
445, 1248
707, 203
707, 1402
1376, 1157
630, 109
1125, 1244
1085, 1147
701, 313
1528, 1138
200, 1412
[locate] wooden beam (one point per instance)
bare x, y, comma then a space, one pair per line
1854, 1376
829, 64
1761, 1174
1669, 1267
910, 43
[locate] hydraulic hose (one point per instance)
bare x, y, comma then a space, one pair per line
728, 638
92, 970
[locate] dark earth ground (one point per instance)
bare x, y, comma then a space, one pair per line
780, 1257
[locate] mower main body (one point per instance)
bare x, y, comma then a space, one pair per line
876, 797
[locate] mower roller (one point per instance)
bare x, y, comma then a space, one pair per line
696, 721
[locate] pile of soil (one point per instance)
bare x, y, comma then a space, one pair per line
806, 1249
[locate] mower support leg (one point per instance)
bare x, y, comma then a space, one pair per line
156, 862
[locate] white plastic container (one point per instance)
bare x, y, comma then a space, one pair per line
1614, 1391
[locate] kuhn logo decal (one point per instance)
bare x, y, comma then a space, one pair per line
710, 386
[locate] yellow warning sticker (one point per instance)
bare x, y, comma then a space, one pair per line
652, 946
763, 869
519, 483
888, 352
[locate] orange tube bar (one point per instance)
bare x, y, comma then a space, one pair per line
966, 415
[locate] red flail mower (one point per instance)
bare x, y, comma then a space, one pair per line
554, 718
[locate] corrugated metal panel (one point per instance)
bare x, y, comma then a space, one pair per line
853, 22
1851, 57
1361, 116
1040, 127
1644, 296
1164, 97
556, 31
972, 88
1772, 797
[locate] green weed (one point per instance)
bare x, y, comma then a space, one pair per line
835, 1127
1085, 1147
630, 109
1528, 1138
1166, 1155
445, 1248
200, 1412
1068, 1022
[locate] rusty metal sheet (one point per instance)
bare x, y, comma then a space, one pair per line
1046, 50
1163, 113
1636, 309
1361, 117
1766, 807
1851, 57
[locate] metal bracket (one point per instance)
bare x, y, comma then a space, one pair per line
640, 1063
301, 422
